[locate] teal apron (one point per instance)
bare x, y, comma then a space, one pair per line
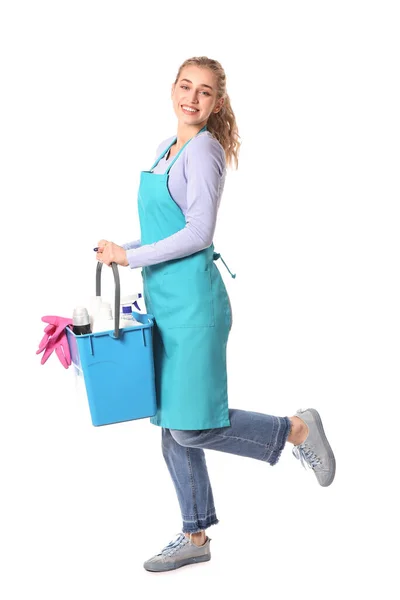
192, 313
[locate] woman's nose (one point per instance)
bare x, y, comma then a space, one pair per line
193, 97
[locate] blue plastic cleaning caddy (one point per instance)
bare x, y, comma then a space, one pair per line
117, 366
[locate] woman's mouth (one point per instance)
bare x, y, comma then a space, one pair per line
189, 111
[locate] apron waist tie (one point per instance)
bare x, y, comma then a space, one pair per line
216, 256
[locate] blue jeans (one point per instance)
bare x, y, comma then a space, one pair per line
251, 434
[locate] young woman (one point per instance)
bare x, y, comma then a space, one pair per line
178, 202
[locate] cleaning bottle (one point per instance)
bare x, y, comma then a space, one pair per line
80, 321
94, 306
103, 320
127, 302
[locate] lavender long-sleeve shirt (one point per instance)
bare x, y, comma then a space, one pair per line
196, 182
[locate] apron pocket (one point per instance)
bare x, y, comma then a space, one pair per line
186, 300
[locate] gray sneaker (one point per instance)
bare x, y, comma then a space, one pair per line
315, 451
177, 553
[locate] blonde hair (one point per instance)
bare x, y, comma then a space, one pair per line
222, 125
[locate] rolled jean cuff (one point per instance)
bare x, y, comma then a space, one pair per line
282, 427
194, 525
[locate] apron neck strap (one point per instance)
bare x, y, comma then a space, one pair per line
162, 154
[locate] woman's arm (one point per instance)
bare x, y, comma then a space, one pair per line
205, 176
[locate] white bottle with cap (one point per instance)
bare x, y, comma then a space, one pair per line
103, 319
94, 306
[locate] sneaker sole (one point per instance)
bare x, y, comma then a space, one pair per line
178, 564
326, 444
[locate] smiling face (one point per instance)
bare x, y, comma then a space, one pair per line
195, 89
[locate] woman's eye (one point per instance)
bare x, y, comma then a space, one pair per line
185, 86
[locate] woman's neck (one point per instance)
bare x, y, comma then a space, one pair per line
183, 136
186, 133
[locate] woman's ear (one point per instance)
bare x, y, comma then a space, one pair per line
219, 105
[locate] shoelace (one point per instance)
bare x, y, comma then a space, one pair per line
306, 456
174, 544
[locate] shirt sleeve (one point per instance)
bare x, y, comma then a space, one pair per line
205, 169
131, 245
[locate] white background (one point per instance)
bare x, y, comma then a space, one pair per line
309, 223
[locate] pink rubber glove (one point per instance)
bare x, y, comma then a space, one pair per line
55, 338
